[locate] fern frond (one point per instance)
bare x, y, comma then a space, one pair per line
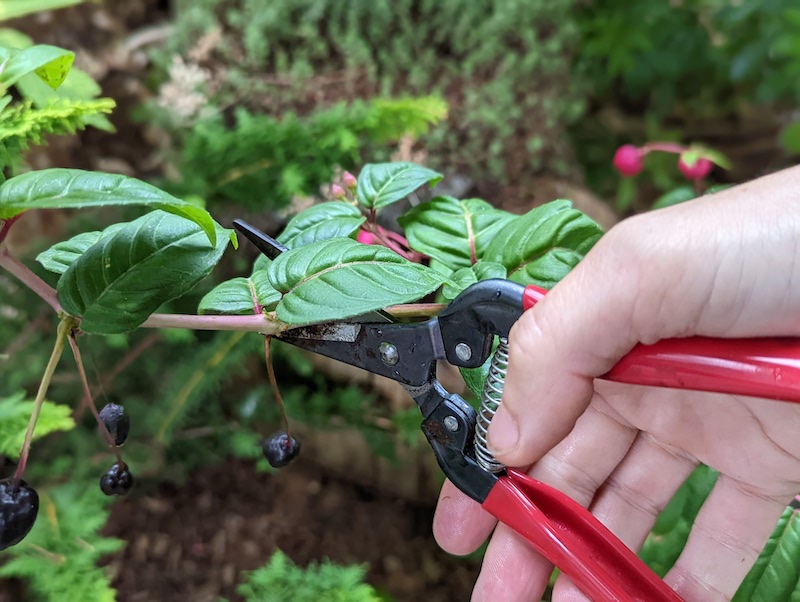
14, 414
22, 125
280, 579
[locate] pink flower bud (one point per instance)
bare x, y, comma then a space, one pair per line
337, 192
697, 170
366, 238
628, 160
349, 180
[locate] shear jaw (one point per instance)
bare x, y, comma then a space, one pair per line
449, 427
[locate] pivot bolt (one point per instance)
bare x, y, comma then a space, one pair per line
451, 423
463, 352
389, 354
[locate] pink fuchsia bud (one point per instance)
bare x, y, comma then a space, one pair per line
628, 160
337, 192
696, 170
349, 180
366, 238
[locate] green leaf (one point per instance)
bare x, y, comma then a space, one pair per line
50, 63
78, 86
461, 279
14, 414
381, 184
321, 222
665, 543
262, 262
75, 189
790, 137
543, 245
236, 296
340, 278
774, 576
474, 378
681, 194
61, 255
118, 282
626, 193
11, 9
452, 231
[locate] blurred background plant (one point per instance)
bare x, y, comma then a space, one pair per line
253, 107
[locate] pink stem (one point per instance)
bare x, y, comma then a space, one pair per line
88, 400
19, 270
666, 147
7, 223
260, 323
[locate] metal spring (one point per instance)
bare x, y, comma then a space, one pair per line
491, 398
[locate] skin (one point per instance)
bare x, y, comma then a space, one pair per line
727, 265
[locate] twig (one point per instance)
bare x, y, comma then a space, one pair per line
415, 310
88, 398
64, 328
129, 358
274, 384
262, 324
22, 338
19, 270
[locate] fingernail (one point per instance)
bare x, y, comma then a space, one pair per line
503, 433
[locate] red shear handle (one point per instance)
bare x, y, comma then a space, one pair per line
763, 367
570, 537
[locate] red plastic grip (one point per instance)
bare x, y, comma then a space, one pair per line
757, 367
570, 537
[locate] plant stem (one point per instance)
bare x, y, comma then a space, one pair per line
19, 270
274, 383
376, 230
665, 147
88, 398
64, 329
7, 223
415, 310
261, 324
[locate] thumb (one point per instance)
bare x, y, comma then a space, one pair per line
577, 332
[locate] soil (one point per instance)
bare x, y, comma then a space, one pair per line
234, 518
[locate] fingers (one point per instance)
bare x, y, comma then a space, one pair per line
556, 349
512, 571
633, 496
728, 535
577, 466
460, 525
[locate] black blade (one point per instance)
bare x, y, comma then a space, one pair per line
403, 352
272, 248
263, 242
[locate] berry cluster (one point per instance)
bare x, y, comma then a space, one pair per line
117, 481
693, 163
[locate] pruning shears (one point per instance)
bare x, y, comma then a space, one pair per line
463, 334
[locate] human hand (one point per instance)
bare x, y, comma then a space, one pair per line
727, 265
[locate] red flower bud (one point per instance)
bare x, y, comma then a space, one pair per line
628, 160
697, 170
349, 180
367, 238
337, 192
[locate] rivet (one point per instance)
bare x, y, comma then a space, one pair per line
463, 352
389, 354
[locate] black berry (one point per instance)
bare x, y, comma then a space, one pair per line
280, 449
117, 481
117, 422
19, 505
